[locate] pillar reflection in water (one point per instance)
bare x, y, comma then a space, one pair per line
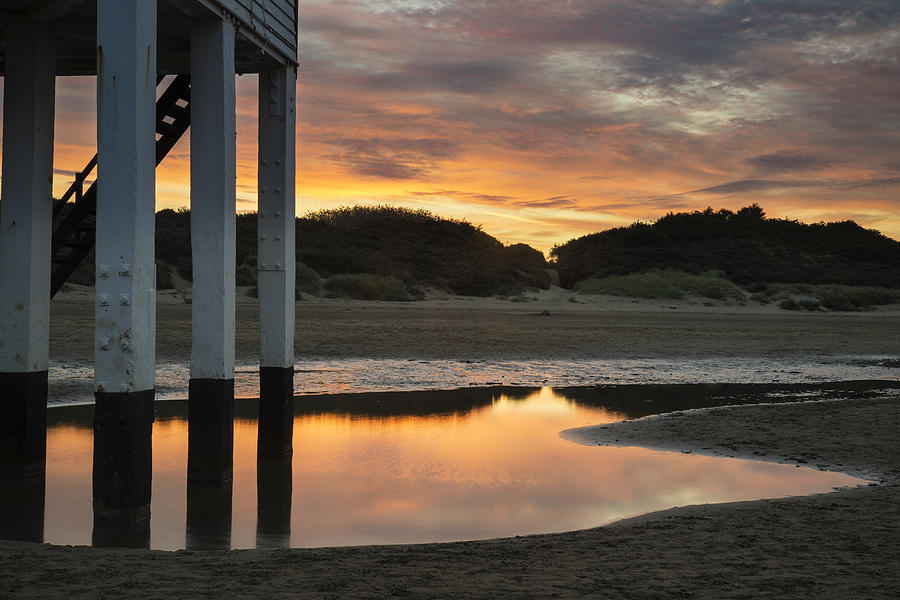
273, 497
22, 508
208, 516
107, 534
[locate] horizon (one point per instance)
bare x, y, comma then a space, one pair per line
545, 122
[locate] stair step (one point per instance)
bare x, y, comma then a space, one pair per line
166, 129
73, 242
179, 112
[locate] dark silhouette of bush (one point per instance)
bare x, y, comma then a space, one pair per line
745, 246
413, 246
417, 248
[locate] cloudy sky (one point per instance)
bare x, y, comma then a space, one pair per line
543, 120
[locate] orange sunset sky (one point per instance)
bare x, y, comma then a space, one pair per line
543, 121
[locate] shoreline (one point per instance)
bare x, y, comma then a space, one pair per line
662, 432
764, 548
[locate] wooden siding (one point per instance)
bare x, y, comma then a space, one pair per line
270, 23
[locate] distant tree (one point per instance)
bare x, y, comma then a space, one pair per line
745, 246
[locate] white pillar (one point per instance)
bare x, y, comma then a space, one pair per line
213, 170
276, 251
25, 232
126, 195
213, 174
125, 316
276, 255
26, 210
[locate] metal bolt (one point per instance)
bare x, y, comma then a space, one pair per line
123, 300
104, 300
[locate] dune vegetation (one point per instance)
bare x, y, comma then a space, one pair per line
391, 253
376, 253
833, 266
661, 283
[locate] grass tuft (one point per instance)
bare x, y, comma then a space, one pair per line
656, 283
364, 286
830, 296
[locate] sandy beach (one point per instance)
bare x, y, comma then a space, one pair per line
844, 544
551, 323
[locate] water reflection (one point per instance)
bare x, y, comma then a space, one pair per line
417, 467
208, 515
273, 500
125, 534
22, 508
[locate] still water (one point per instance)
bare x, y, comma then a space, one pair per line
383, 468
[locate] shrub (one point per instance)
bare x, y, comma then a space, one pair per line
789, 304
661, 284
364, 286
245, 275
748, 247
164, 279
834, 297
307, 280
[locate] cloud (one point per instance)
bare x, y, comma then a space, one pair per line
754, 185
460, 195
391, 158
552, 202
786, 161
469, 77
871, 183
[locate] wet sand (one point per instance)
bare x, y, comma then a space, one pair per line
839, 545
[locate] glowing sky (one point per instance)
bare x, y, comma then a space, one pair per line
543, 120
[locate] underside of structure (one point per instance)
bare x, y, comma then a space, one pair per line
266, 30
161, 67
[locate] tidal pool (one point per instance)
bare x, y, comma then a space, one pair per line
409, 467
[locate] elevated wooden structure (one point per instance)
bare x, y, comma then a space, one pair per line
131, 45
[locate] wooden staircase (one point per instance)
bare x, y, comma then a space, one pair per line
75, 222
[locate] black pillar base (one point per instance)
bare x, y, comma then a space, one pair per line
208, 516
23, 423
123, 460
274, 486
210, 430
276, 411
121, 535
22, 508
